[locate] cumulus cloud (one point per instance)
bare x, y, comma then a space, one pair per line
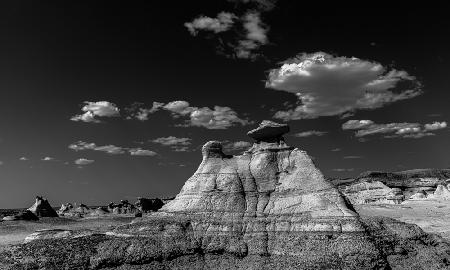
23, 158
47, 159
309, 133
236, 146
217, 118
328, 85
110, 149
392, 130
93, 110
177, 144
221, 23
83, 161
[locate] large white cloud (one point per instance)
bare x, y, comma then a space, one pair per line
217, 118
328, 85
392, 130
93, 110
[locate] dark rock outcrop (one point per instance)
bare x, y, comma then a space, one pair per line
270, 208
42, 208
26, 215
149, 205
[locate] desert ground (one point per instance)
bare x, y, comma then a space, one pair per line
15, 232
432, 216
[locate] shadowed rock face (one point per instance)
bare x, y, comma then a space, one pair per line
269, 208
42, 208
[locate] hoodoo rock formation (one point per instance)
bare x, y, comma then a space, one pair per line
269, 208
42, 208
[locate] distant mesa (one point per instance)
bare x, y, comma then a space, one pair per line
395, 187
42, 208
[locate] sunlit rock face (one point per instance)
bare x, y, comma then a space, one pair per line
271, 200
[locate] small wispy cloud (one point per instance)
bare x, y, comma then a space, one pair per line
47, 159
93, 110
343, 170
175, 143
83, 161
309, 133
221, 23
23, 158
352, 157
110, 149
336, 150
393, 130
142, 152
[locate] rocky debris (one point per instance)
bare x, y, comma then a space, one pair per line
269, 131
269, 208
42, 208
26, 215
148, 205
393, 187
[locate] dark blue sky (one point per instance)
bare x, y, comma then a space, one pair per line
54, 56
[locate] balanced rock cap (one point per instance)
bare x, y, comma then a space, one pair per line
268, 131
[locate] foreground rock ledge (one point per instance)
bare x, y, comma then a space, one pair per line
269, 208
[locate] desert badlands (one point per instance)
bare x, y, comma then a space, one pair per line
268, 208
